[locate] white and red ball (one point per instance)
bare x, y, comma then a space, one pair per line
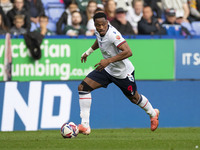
69, 130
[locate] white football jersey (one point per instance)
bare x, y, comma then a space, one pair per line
108, 45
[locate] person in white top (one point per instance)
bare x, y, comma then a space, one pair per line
114, 68
6, 5
181, 7
125, 4
90, 10
134, 14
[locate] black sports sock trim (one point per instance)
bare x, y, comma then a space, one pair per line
83, 92
139, 100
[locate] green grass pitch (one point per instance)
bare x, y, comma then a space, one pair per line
105, 139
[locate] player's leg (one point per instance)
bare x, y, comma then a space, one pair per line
93, 81
85, 100
144, 103
129, 88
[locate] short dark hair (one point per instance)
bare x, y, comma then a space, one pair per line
146, 5
76, 12
19, 17
98, 9
99, 15
43, 16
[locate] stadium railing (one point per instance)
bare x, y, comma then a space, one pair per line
126, 37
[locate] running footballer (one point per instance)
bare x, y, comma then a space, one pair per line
114, 68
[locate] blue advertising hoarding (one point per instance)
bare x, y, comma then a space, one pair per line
47, 105
187, 59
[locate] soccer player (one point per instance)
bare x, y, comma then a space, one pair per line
115, 67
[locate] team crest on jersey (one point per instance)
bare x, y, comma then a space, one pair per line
118, 37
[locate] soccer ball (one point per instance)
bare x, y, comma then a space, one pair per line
69, 130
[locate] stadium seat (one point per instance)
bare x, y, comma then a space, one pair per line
45, 2
46, 12
174, 30
189, 27
196, 27
55, 11
34, 26
51, 26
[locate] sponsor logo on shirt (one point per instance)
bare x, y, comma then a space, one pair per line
118, 37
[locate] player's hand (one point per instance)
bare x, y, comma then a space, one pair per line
102, 64
84, 58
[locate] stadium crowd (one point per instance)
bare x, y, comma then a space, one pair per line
74, 17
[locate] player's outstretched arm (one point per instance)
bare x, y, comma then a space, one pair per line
89, 51
126, 52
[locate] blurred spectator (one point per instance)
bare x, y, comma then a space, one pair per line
90, 26
76, 28
181, 7
35, 8
170, 16
18, 29
120, 22
103, 2
67, 3
6, 5
159, 4
172, 26
194, 6
66, 18
149, 24
3, 28
110, 9
43, 21
82, 4
125, 4
19, 10
155, 8
4, 17
92, 6
135, 14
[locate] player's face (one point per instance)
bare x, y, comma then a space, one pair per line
101, 25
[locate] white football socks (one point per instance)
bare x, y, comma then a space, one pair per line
85, 101
146, 105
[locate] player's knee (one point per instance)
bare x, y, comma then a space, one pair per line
84, 87
135, 98
80, 87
